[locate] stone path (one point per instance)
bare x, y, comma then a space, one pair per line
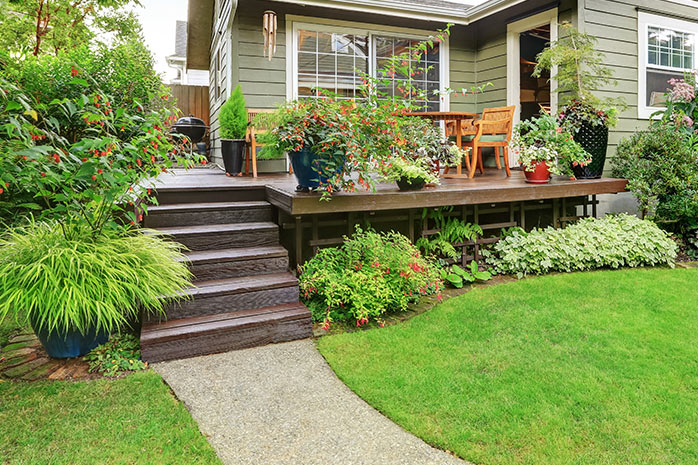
23, 358
282, 404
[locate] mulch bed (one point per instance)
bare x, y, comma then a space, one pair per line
23, 358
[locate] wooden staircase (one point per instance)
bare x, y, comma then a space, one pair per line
244, 295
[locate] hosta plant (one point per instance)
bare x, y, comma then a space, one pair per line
61, 277
370, 274
457, 276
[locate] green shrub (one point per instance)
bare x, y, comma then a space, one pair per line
661, 167
62, 276
120, 354
611, 242
370, 274
233, 117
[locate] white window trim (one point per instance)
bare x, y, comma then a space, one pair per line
514, 31
295, 23
644, 21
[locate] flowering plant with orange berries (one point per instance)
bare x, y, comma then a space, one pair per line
82, 159
370, 274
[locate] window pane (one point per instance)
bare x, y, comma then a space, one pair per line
326, 64
669, 48
657, 85
306, 83
401, 46
433, 72
433, 53
361, 46
307, 41
384, 47
324, 42
307, 63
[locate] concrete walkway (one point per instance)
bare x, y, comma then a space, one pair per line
282, 404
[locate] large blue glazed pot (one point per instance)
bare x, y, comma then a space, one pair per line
303, 162
68, 344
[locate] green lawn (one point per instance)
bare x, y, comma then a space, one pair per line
586, 368
134, 420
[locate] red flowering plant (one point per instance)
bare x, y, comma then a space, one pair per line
370, 274
82, 159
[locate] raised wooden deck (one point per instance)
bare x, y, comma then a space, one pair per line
492, 187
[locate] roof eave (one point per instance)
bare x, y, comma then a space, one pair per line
390, 8
199, 28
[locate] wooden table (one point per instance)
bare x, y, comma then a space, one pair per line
448, 116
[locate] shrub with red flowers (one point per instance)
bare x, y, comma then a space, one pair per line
370, 274
83, 158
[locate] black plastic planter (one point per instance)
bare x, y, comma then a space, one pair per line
232, 155
405, 184
593, 139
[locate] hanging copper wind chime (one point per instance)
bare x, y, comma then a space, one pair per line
269, 31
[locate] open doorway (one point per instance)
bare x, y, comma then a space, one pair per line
534, 93
525, 39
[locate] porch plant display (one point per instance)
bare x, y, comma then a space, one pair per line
581, 73
614, 241
544, 147
410, 174
75, 286
370, 274
661, 166
233, 126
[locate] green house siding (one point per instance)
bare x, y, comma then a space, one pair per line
615, 24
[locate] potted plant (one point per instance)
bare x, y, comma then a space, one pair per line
580, 73
543, 148
75, 287
233, 126
410, 174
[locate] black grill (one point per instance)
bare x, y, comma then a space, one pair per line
193, 128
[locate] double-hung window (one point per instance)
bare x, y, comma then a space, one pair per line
666, 51
335, 57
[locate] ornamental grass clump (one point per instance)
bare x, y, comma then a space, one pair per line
614, 241
370, 274
61, 277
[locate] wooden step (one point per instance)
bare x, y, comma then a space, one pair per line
224, 236
191, 214
201, 194
232, 294
233, 263
223, 332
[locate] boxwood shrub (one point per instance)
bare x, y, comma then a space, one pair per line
611, 242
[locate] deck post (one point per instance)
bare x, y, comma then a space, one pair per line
593, 205
410, 226
522, 219
556, 213
299, 241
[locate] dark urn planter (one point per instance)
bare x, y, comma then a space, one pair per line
593, 139
540, 175
303, 162
68, 344
232, 156
405, 184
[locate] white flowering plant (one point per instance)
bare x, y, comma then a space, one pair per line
542, 139
682, 104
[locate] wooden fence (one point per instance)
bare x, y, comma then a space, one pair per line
192, 100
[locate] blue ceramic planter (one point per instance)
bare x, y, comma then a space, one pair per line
69, 344
303, 163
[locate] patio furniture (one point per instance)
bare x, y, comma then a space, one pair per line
493, 130
251, 138
456, 122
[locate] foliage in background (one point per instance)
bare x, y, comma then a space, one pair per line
120, 354
580, 72
661, 166
39, 27
63, 277
83, 158
541, 139
682, 106
614, 241
233, 116
368, 275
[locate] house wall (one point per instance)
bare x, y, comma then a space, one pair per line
218, 70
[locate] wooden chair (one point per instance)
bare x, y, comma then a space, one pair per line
467, 129
493, 130
251, 139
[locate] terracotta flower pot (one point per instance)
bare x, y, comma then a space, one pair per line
540, 175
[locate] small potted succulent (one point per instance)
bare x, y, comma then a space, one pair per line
233, 126
544, 147
580, 74
410, 174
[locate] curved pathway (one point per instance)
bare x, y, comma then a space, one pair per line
282, 404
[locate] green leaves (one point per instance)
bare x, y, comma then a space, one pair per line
614, 241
